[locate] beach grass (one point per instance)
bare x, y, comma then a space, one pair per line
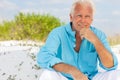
114, 40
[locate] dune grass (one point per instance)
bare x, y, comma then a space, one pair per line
114, 40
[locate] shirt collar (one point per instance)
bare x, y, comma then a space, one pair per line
69, 30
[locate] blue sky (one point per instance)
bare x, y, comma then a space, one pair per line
107, 16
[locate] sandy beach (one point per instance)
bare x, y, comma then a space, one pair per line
18, 60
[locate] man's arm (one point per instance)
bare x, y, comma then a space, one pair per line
73, 71
104, 55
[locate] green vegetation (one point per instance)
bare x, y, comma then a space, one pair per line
35, 27
28, 27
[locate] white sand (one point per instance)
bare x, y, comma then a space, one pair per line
18, 61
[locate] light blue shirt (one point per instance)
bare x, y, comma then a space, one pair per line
59, 47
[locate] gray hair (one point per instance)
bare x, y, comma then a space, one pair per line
83, 2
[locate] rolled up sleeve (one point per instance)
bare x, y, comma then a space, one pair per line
107, 46
115, 64
46, 58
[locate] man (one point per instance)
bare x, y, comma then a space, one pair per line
72, 52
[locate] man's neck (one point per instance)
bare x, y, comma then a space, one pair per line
78, 42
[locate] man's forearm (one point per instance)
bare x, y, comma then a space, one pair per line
105, 56
66, 68
62, 67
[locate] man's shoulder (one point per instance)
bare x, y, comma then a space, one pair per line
97, 31
59, 29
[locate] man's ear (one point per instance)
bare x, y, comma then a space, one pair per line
92, 19
70, 18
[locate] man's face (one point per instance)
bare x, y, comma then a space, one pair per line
81, 17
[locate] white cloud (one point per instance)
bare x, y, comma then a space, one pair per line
29, 11
33, 11
56, 2
116, 12
97, 0
115, 2
50, 10
4, 4
103, 20
30, 3
1, 20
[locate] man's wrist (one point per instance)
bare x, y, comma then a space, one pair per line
75, 72
96, 41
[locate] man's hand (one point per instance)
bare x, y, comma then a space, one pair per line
85, 32
88, 34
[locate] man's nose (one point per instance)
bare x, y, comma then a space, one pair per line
83, 20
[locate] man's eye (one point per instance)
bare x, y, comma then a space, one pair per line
78, 16
87, 16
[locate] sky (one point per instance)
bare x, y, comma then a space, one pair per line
106, 18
